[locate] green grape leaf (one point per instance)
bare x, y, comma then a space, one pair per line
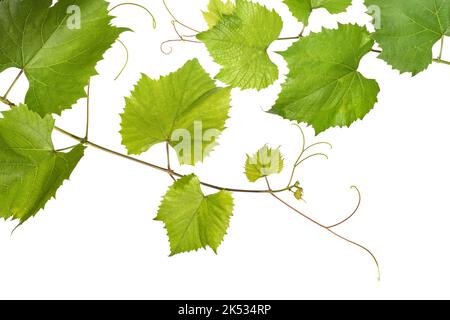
216, 10
57, 47
302, 9
265, 162
324, 87
409, 30
185, 105
31, 171
193, 220
239, 43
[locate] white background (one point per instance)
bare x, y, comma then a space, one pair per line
99, 240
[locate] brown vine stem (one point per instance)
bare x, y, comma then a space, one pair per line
295, 37
174, 174
145, 163
329, 229
159, 168
7, 102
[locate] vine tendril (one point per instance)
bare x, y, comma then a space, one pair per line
163, 44
121, 42
304, 149
311, 156
136, 5
329, 229
175, 20
181, 37
319, 143
353, 213
126, 59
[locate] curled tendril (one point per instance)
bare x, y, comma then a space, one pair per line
126, 59
181, 38
136, 5
123, 44
329, 229
353, 212
163, 44
302, 159
318, 144
320, 154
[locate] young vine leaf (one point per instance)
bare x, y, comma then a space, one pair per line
265, 162
182, 105
239, 43
193, 220
216, 10
409, 30
302, 9
55, 48
324, 87
31, 171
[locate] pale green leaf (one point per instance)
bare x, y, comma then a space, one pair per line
216, 10
302, 9
239, 43
57, 54
324, 87
409, 30
185, 109
31, 171
265, 162
193, 220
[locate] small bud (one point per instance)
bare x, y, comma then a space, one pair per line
298, 194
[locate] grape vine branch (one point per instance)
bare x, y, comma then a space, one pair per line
324, 89
173, 174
